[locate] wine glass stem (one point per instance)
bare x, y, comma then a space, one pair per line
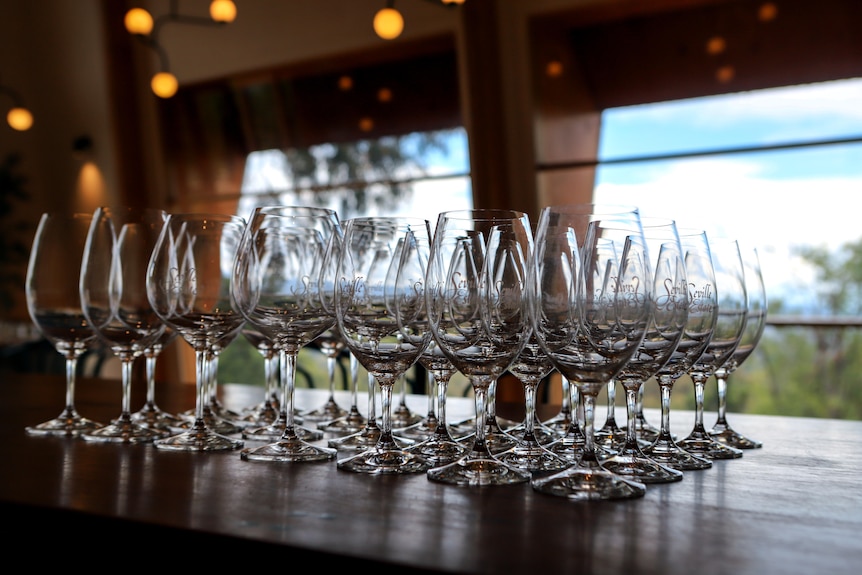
386, 408
288, 376
126, 366
721, 380
699, 381
354, 380
330, 368
566, 400
270, 375
151, 378
529, 410
201, 364
589, 402
631, 412
442, 384
71, 372
480, 397
665, 388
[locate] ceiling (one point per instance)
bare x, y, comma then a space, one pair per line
635, 57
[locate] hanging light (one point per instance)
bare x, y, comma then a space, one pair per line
19, 117
138, 21
223, 11
164, 85
388, 23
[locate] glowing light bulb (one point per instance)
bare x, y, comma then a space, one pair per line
138, 21
388, 23
223, 10
164, 84
20, 119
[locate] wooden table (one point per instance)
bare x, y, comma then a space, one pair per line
794, 506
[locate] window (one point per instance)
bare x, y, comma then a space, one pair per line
786, 166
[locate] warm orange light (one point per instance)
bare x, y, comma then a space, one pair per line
223, 10
384, 95
164, 84
138, 21
388, 23
345, 83
715, 45
453, 1
767, 12
554, 69
366, 124
725, 74
20, 119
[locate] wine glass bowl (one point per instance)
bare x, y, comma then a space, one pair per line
114, 300
188, 285
280, 285
755, 323
729, 326
380, 310
477, 309
590, 308
699, 327
54, 305
669, 304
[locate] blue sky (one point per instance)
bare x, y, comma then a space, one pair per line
773, 200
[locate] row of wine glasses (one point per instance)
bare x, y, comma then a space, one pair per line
601, 295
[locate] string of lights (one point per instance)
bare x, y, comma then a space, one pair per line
141, 24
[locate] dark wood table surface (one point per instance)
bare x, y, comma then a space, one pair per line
794, 506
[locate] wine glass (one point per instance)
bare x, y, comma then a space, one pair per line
530, 367
266, 411
368, 436
54, 305
590, 311
610, 436
425, 427
280, 284
353, 421
699, 326
150, 414
729, 326
380, 309
331, 344
438, 447
477, 308
188, 285
754, 325
669, 314
113, 290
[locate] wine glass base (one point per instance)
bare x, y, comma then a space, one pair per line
346, 425
669, 454
438, 450
588, 484
702, 445
478, 470
275, 432
330, 411
728, 436
531, 456
199, 438
124, 431
360, 441
378, 461
419, 431
288, 450
641, 468
155, 418
64, 426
